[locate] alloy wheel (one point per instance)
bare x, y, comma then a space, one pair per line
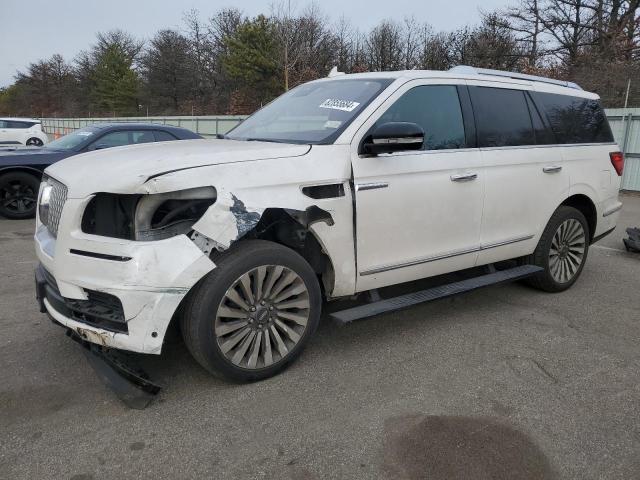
262, 317
17, 197
567, 251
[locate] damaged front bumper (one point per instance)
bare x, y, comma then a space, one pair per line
112, 292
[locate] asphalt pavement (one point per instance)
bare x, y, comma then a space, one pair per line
505, 382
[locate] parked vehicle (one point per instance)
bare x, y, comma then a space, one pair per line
342, 185
21, 168
22, 131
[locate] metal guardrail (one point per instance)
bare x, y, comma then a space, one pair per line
207, 126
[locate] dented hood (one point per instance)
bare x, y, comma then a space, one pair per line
125, 169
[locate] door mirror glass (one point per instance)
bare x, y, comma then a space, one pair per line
100, 146
394, 137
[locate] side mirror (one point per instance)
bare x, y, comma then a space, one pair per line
100, 146
394, 137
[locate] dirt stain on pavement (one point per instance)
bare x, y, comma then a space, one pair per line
452, 447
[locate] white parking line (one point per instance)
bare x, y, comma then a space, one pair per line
609, 248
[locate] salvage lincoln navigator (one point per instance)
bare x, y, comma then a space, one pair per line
342, 185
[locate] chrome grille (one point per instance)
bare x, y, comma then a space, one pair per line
56, 203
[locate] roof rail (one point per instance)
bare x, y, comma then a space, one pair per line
465, 69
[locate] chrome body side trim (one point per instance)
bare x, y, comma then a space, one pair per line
455, 253
370, 186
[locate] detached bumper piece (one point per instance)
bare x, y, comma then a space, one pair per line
115, 368
130, 384
632, 244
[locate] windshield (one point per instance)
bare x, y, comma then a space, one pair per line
311, 113
73, 140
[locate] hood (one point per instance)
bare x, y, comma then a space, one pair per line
126, 169
31, 155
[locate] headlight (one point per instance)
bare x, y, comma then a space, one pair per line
146, 217
166, 215
43, 203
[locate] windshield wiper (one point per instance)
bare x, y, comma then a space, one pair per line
265, 140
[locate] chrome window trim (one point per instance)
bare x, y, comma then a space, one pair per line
455, 253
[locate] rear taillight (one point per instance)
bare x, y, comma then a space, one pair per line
617, 160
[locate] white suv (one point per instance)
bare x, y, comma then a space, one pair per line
22, 131
342, 185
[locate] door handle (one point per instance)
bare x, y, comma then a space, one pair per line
464, 177
552, 169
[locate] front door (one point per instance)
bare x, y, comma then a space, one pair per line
418, 213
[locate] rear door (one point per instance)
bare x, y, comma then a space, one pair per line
526, 178
418, 213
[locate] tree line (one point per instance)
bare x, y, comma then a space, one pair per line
232, 64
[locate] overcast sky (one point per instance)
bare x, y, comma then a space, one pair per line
36, 29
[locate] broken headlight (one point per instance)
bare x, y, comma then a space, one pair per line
146, 217
165, 215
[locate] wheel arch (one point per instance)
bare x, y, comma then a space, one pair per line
587, 207
21, 168
292, 229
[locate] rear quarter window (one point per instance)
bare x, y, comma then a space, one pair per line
574, 119
16, 124
162, 136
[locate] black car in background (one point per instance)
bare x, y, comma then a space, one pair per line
21, 168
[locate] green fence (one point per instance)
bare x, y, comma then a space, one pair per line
207, 126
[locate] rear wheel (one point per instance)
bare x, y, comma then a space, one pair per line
254, 313
34, 142
561, 251
18, 195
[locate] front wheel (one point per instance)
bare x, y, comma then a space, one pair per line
561, 251
254, 313
18, 195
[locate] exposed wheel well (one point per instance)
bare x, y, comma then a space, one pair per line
587, 208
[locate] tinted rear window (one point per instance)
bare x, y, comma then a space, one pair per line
574, 119
502, 117
162, 136
17, 124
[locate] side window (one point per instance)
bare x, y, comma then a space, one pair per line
3, 124
436, 108
502, 117
14, 124
113, 139
544, 136
142, 137
575, 119
162, 136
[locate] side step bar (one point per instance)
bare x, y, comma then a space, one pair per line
442, 291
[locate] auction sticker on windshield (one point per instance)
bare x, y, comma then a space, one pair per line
335, 104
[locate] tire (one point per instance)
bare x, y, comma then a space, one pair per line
562, 251
34, 142
216, 329
18, 195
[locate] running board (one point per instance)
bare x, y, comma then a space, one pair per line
442, 291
